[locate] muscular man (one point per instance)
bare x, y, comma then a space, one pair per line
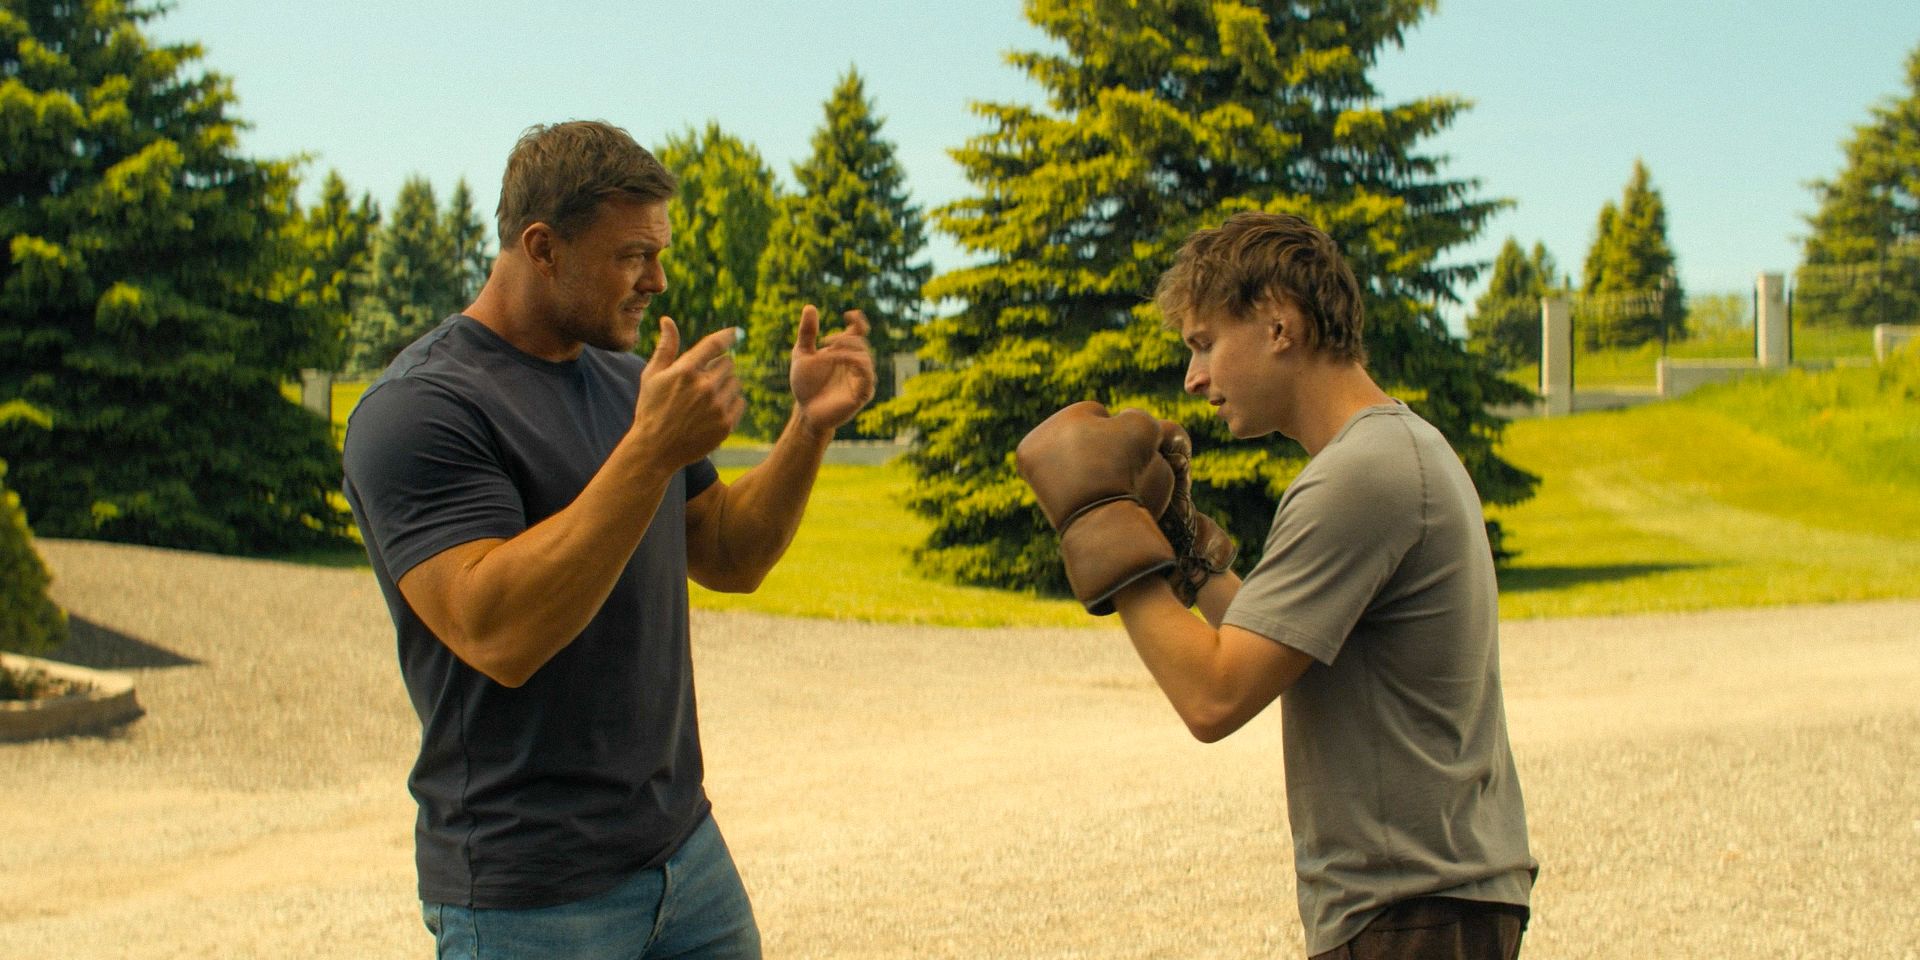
533, 497
1372, 613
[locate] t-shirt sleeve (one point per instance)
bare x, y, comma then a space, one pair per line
1337, 538
426, 475
701, 474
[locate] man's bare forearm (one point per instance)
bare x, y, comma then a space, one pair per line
761, 510
1217, 678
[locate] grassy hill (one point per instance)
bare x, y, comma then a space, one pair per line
1797, 488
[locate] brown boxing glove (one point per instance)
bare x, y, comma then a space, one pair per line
1102, 483
1201, 548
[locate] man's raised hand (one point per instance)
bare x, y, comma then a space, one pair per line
832, 378
689, 401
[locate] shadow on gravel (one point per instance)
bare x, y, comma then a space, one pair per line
1523, 578
103, 648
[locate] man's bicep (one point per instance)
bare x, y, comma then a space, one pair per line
422, 477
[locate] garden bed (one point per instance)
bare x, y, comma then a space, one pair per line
45, 698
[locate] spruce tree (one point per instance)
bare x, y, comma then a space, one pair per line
849, 238
1505, 323
1164, 117
150, 300
720, 221
414, 281
339, 236
1631, 290
1862, 260
467, 244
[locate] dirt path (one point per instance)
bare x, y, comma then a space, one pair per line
1732, 784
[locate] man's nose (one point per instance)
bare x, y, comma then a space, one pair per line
1196, 377
652, 280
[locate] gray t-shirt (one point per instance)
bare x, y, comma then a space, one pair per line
1400, 780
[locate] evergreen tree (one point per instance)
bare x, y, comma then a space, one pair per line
339, 238
1163, 117
720, 223
149, 303
1862, 261
1631, 291
414, 280
467, 242
1505, 323
848, 239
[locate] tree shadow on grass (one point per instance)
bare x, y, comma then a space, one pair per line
103, 648
1524, 579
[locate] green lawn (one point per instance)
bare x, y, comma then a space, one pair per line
1798, 488
851, 560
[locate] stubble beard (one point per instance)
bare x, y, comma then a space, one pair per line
619, 332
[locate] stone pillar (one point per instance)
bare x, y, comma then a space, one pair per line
1889, 337
316, 392
1556, 355
1772, 342
906, 366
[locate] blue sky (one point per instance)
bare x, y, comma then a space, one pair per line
1733, 106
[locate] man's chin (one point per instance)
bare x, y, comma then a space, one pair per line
621, 338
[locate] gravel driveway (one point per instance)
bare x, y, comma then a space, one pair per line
1733, 784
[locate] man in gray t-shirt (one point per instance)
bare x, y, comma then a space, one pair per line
1372, 613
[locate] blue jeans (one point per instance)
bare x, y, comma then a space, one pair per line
692, 906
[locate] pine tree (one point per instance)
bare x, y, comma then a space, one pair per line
1862, 261
1631, 290
467, 243
149, 304
339, 235
1163, 117
720, 223
848, 239
1505, 323
415, 278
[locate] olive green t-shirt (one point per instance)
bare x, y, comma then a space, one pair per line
1400, 780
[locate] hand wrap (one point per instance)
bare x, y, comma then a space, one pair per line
1201, 548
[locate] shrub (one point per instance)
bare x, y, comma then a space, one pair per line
29, 621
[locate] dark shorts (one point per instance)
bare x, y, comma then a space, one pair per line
1437, 928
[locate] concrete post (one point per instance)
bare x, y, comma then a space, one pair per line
316, 392
1888, 337
906, 366
1771, 346
1556, 355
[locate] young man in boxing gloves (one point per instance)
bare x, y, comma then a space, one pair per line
1371, 613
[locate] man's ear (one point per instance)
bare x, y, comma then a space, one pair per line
537, 242
1270, 313
1277, 333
